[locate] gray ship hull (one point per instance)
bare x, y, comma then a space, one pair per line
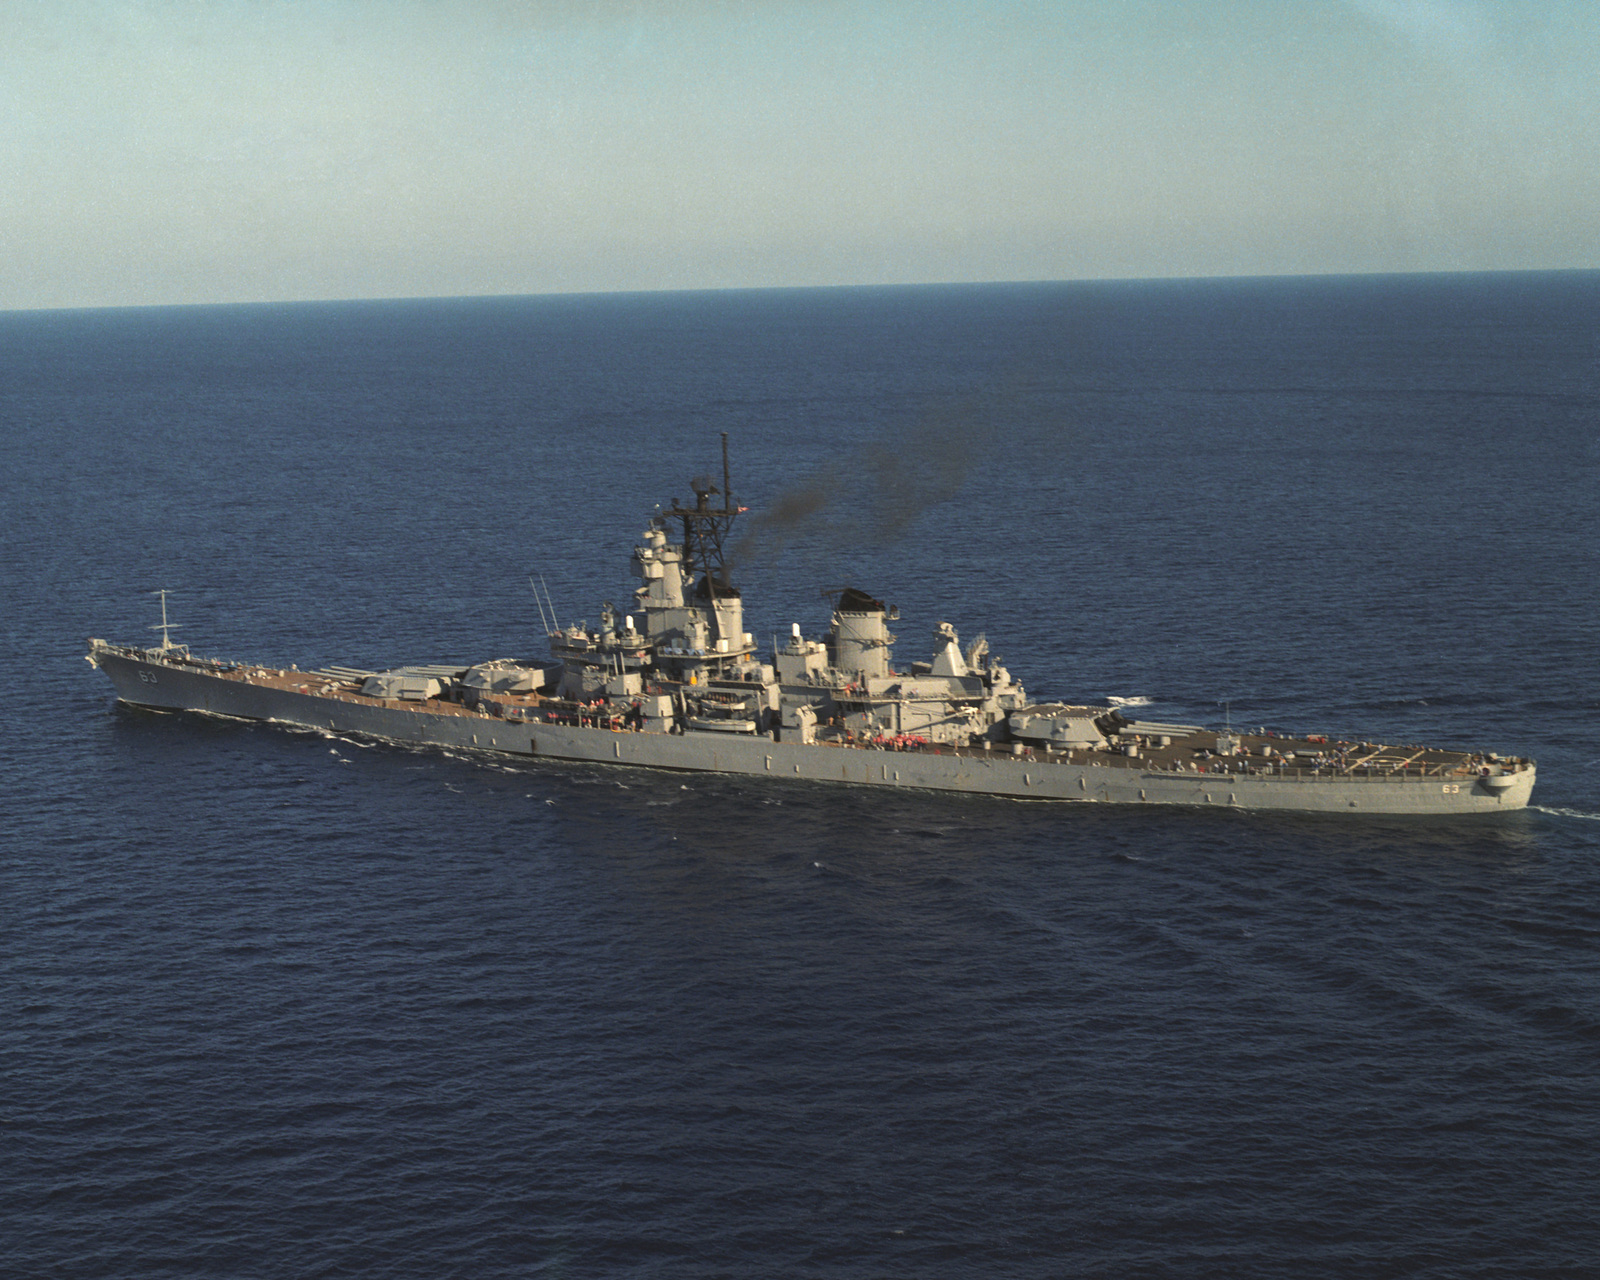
145, 678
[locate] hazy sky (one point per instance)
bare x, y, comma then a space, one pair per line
156, 151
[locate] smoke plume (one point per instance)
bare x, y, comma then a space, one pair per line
872, 497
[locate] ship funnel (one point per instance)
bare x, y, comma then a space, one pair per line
863, 640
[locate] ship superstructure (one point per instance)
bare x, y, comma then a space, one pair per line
676, 682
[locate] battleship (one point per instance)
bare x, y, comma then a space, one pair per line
679, 684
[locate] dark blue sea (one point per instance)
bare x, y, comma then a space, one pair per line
285, 1005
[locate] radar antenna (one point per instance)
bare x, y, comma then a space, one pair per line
165, 627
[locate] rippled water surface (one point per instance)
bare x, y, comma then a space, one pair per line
283, 1005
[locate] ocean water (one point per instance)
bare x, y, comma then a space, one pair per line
285, 1005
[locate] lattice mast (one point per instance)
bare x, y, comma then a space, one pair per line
706, 529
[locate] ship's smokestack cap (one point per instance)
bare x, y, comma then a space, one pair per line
853, 601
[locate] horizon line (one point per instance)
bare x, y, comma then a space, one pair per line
802, 288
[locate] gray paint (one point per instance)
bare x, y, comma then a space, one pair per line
689, 690
148, 678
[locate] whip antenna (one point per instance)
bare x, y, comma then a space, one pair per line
543, 621
555, 623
